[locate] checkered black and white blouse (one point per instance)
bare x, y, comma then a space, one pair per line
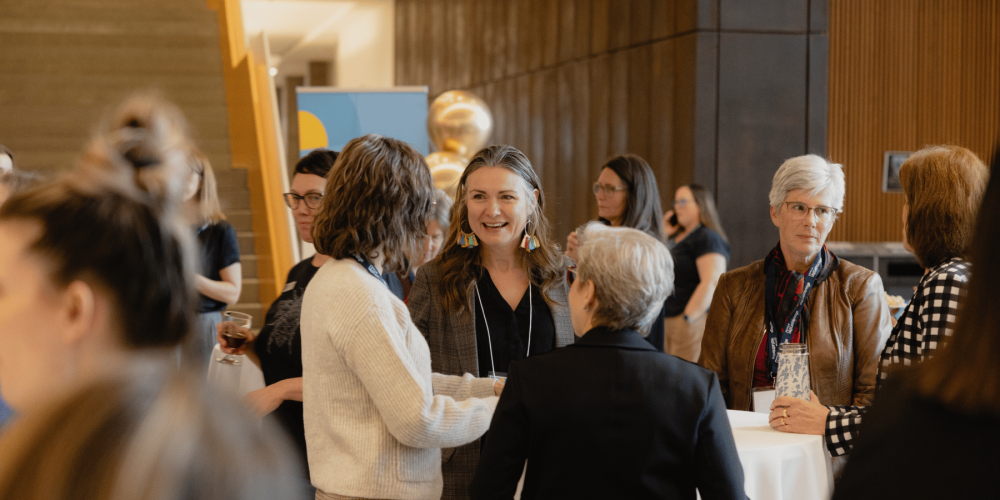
929, 317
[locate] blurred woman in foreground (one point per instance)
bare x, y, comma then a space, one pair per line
96, 291
935, 428
610, 416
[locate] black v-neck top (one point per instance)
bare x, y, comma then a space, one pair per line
508, 329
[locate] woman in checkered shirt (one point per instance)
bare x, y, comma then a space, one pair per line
944, 186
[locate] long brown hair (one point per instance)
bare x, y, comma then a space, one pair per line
459, 266
708, 215
378, 195
964, 374
643, 208
944, 187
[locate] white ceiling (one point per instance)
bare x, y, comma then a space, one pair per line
303, 30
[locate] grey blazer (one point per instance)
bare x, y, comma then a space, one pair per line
452, 341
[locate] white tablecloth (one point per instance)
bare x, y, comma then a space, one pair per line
778, 465
237, 379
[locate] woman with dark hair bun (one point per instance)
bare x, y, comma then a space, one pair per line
627, 196
277, 349
701, 251
96, 268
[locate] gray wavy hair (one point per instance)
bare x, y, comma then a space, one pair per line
632, 272
812, 173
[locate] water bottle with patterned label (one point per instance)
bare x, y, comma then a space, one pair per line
793, 371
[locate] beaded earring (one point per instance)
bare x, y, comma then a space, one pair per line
467, 240
529, 242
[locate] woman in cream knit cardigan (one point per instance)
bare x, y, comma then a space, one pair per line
375, 416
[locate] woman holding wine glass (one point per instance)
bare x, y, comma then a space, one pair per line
277, 349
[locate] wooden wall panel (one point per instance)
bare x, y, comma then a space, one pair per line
905, 74
573, 82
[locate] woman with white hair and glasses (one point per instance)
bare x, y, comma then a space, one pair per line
610, 416
800, 293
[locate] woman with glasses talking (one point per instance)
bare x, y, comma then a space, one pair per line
278, 346
800, 293
627, 196
700, 251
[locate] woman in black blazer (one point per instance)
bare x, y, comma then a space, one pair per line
610, 416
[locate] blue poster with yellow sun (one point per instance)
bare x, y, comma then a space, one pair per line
330, 117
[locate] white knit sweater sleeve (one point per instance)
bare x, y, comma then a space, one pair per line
462, 387
393, 379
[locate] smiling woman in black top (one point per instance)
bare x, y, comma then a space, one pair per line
497, 292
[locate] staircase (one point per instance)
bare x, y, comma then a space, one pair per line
235, 199
65, 63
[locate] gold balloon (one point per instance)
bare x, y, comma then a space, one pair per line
446, 169
459, 122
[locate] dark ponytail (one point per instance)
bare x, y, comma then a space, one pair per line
113, 222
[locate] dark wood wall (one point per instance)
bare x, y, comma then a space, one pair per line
713, 91
905, 74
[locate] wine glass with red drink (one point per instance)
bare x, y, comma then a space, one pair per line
232, 322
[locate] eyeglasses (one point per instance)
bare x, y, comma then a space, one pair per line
798, 211
312, 200
681, 203
607, 188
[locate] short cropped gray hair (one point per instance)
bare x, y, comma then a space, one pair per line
632, 272
809, 172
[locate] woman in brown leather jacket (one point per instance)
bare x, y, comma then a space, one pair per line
801, 292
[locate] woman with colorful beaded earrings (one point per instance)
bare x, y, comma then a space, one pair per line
497, 292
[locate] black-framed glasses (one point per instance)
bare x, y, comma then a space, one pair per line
607, 188
570, 275
799, 210
312, 200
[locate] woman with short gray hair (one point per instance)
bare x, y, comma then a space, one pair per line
583, 416
800, 293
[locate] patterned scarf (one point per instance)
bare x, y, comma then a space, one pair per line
785, 296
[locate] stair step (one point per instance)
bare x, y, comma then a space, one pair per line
234, 199
250, 291
249, 266
246, 242
230, 178
241, 220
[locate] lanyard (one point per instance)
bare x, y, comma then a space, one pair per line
365, 263
489, 340
809, 280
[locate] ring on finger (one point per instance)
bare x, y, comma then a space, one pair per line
785, 412
782, 421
